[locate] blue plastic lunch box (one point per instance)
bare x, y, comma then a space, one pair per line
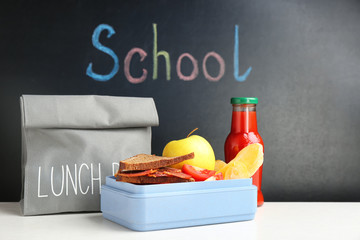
173, 205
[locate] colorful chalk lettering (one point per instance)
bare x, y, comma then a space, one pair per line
239, 78
221, 62
127, 61
99, 46
194, 72
156, 54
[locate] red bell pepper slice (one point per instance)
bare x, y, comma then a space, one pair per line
199, 174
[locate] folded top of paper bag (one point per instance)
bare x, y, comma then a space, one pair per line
87, 111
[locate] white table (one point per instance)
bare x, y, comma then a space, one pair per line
272, 221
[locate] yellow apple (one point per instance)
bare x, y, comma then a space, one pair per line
204, 153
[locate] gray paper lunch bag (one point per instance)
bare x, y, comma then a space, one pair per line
71, 143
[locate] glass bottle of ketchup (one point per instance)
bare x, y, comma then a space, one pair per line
243, 133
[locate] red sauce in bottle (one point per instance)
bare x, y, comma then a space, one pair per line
243, 133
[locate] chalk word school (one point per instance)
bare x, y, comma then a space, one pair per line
71, 177
156, 54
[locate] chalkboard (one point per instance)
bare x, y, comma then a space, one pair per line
300, 58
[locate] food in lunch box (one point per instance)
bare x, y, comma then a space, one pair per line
219, 164
146, 161
201, 174
217, 176
151, 169
245, 164
152, 176
204, 153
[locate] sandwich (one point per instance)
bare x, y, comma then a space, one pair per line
151, 169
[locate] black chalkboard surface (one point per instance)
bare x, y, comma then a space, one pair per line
300, 58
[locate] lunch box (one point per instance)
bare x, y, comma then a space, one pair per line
173, 205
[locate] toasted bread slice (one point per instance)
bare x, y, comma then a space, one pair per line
146, 162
